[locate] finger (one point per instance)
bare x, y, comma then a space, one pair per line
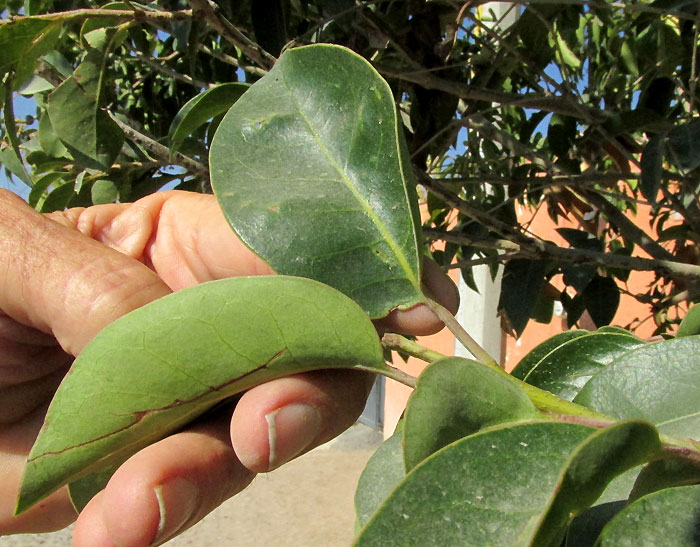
419, 320
279, 420
183, 236
63, 283
165, 488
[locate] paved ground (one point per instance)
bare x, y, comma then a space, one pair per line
306, 503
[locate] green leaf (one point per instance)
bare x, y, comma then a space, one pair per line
585, 528
595, 462
202, 108
85, 488
50, 143
601, 297
383, 472
567, 368
543, 349
520, 288
657, 382
77, 116
491, 488
40, 190
691, 323
683, 145
104, 191
666, 473
182, 354
651, 164
454, 398
10, 161
25, 40
311, 171
669, 517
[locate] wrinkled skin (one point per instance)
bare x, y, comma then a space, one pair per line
67, 275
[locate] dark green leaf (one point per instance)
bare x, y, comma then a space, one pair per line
532, 359
683, 145
40, 190
652, 168
25, 40
522, 281
202, 108
585, 528
454, 398
658, 382
77, 116
383, 472
601, 297
661, 474
491, 488
668, 517
269, 18
566, 369
310, 169
182, 354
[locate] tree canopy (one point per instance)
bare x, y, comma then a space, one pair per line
585, 108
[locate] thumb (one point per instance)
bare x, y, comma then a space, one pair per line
59, 281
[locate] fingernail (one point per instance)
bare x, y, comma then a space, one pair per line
177, 501
290, 430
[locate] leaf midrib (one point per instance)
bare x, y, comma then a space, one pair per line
396, 250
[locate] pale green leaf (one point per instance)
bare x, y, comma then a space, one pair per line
383, 472
182, 354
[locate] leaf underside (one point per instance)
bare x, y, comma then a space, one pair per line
159, 367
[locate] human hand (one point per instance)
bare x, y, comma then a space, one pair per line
69, 274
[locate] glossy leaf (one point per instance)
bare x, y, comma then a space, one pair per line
542, 350
668, 517
310, 169
202, 108
691, 323
658, 382
180, 355
566, 370
491, 488
455, 398
383, 472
